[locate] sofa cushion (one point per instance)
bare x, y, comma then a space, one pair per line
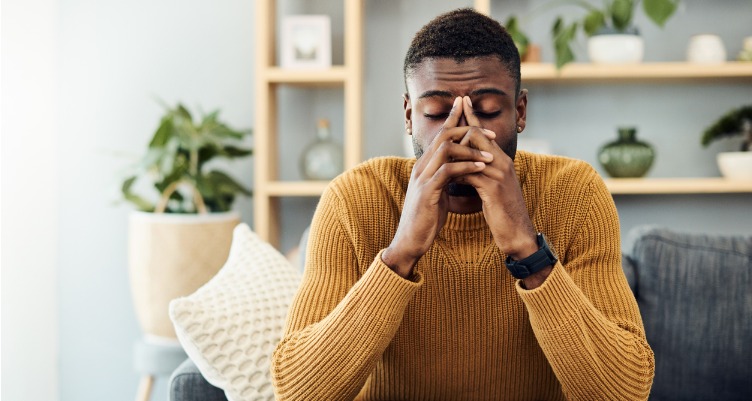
187, 384
695, 297
230, 326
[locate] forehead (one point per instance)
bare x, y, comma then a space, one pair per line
460, 78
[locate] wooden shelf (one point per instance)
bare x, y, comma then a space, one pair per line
295, 188
583, 72
336, 75
648, 186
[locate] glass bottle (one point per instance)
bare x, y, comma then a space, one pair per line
626, 157
322, 159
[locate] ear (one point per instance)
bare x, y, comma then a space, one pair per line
408, 113
521, 109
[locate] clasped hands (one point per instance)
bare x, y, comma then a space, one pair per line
463, 154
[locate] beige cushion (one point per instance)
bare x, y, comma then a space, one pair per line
231, 325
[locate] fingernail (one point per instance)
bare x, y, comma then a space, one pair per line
485, 154
469, 102
490, 133
480, 164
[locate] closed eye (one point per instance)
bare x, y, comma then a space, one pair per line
442, 116
492, 114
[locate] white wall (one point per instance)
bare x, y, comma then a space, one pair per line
29, 201
116, 58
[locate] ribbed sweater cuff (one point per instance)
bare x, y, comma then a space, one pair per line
555, 302
392, 292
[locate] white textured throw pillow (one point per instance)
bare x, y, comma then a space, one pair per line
231, 325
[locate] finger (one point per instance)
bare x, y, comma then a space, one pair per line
455, 114
451, 171
450, 153
470, 116
486, 132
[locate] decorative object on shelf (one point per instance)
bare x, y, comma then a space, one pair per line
609, 46
180, 241
306, 42
746, 53
626, 157
737, 122
706, 49
614, 18
322, 159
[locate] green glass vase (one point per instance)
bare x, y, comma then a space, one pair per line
626, 157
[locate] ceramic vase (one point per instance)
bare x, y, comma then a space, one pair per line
609, 46
626, 157
322, 159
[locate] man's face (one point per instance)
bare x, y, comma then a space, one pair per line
436, 82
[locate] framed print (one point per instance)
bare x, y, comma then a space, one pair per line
306, 42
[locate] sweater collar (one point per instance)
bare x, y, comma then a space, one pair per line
465, 222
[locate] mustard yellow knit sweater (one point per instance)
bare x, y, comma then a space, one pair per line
464, 329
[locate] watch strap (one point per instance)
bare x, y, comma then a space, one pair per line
534, 263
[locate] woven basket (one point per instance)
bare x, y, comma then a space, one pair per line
172, 255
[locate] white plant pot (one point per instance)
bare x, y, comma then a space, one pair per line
616, 48
735, 165
170, 256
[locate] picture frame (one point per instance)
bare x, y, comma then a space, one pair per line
306, 42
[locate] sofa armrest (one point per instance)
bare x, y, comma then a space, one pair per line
628, 265
187, 384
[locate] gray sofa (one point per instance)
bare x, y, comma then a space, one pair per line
695, 296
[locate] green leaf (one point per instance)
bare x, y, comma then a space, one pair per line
140, 203
660, 10
621, 14
521, 40
163, 133
562, 36
226, 184
233, 152
594, 21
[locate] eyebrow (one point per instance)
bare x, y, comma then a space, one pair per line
450, 95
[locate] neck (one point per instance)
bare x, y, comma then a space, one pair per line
465, 204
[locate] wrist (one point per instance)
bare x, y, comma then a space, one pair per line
534, 268
399, 262
525, 246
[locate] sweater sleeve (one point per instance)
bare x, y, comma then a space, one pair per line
585, 317
339, 324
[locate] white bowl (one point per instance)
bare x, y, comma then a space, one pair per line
615, 49
735, 165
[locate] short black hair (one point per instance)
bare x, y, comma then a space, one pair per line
462, 34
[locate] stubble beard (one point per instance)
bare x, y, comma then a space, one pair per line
464, 190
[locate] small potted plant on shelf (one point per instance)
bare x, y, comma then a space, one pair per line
181, 235
737, 122
529, 52
612, 36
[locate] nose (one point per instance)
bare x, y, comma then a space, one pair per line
463, 121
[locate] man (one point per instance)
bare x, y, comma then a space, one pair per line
438, 278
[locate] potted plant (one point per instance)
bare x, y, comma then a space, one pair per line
529, 52
612, 36
737, 122
181, 234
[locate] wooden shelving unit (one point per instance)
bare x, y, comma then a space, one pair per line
268, 189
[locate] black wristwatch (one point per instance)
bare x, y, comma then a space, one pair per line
534, 263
